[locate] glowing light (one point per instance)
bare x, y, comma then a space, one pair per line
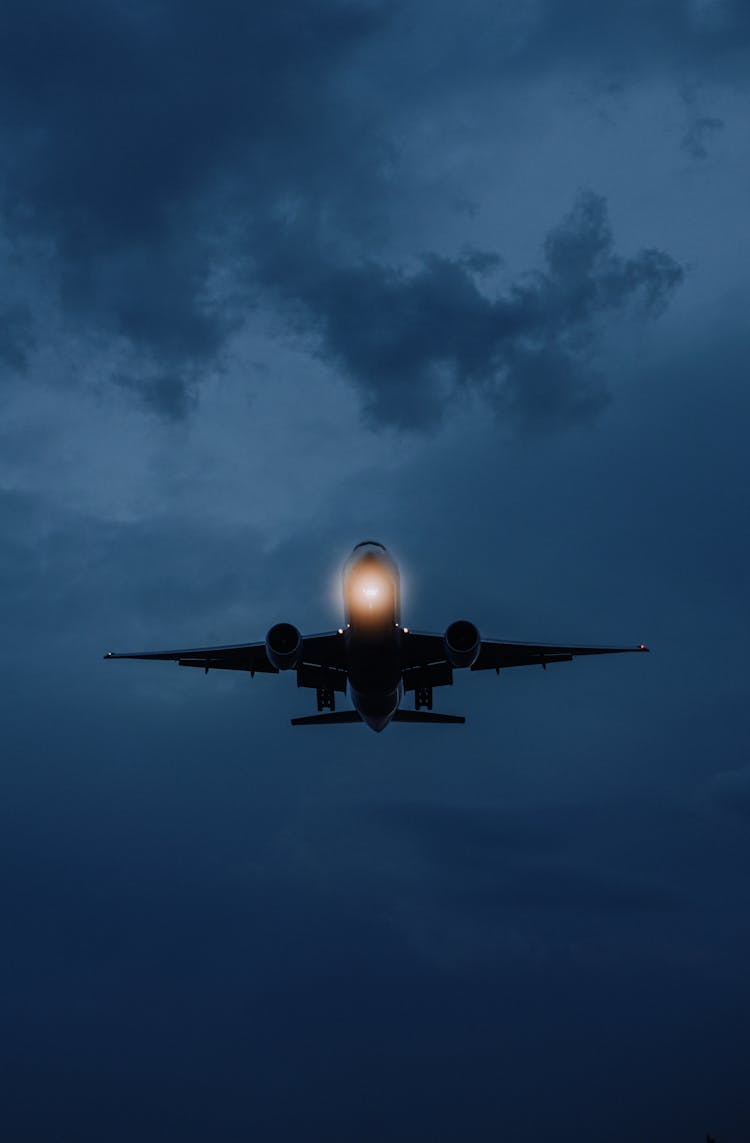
370, 592
341, 630
406, 630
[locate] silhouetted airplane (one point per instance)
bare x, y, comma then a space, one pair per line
372, 654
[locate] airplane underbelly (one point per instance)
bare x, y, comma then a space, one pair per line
374, 661
374, 670
376, 707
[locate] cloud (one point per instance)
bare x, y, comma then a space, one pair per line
167, 394
168, 170
699, 128
132, 133
415, 342
707, 37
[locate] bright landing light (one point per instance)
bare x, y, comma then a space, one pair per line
369, 593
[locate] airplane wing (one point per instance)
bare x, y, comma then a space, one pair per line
422, 649
495, 655
237, 657
317, 650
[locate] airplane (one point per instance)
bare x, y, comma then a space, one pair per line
372, 656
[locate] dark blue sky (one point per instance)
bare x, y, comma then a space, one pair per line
277, 278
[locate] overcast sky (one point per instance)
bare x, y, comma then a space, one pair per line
472, 281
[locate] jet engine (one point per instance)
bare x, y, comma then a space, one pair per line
284, 646
461, 642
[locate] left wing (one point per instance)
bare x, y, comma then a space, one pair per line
495, 655
422, 649
317, 650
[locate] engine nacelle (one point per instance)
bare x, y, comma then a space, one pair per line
461, 642
284, 646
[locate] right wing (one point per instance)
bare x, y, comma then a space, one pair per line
324, 651
237, 657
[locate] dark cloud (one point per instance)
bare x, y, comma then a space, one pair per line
707, 38
176, 164
216, 925
167, 394
130, 135
415, 341
120, 116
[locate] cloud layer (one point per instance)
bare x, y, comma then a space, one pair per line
168, 172
226, 233
415, 342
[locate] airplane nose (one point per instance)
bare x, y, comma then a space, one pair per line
368, 544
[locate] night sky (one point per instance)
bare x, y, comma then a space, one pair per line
469, 280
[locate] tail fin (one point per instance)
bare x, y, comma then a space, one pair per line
340, 716
327, 719
426, 716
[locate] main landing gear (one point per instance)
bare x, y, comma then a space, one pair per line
423, 698
326, 700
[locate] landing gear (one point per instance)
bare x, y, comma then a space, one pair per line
423, 698
326, 700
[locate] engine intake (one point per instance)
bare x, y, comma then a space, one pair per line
461, 641
284, 646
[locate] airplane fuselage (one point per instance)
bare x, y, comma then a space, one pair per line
372, 607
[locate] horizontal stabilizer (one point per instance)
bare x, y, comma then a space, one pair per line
327, 719
426, 716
